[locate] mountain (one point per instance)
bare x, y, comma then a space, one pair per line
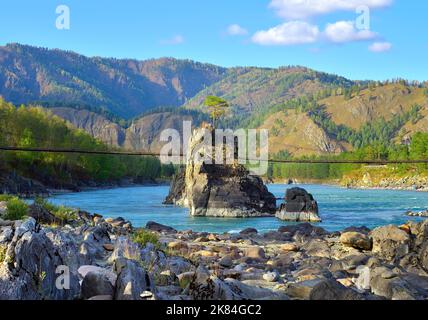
299, 135
329, 125
128, 88
385, 113
371, 104
307, 112
125, 87
253, 89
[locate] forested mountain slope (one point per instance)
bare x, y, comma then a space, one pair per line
125, 87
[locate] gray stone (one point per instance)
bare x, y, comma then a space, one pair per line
132, 280
390, 242
6, 234
271, 276
302, 290
154, 226
226, 262
300, 206
96, 284
356, 240
334, 291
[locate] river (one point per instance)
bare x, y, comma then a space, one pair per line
339, 208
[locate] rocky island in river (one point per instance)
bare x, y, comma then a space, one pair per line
230, 191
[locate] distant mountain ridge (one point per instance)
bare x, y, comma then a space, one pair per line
125, 87
128, 87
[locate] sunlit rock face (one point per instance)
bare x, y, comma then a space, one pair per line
219, 190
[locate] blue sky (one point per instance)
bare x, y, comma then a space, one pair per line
321, 34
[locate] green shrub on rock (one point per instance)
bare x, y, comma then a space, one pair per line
61, 212
16, 209
143, 237
5, 197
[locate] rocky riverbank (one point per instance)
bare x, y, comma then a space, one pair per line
104, 259
386, 179
11, 183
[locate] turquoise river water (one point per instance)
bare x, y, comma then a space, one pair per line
339, 208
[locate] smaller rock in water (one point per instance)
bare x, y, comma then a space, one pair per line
300, 206
421, 214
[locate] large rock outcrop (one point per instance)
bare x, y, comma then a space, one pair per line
299, 206
219, 190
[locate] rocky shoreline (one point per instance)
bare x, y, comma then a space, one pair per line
376, 179
29, 188
108, 259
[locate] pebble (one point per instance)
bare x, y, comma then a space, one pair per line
271, 276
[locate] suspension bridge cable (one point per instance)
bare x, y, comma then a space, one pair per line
151, 154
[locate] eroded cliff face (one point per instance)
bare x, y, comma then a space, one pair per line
142, 135
219, 190
96, 125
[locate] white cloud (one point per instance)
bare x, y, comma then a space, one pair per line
236, 30
379, 47
302, 9
177, 39
289, 33
345, 31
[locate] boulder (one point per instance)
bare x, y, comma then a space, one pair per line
271, 276
392, 286
6, 234
390, 242
132, 280
423, 257
35, 265
289, 247
248, 231
176, 194
85, 270
303, 229
302, 290
333, 291
154, 226
257, 253
356, 240
300, 206
248, 292
125, 248
186, 278
226, 262
96, 284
